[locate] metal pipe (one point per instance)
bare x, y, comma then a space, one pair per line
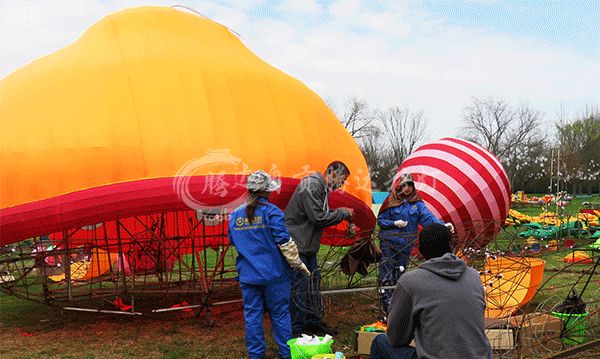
101, 311
178, 308
354, 290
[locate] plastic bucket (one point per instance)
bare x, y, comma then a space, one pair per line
574, 332
307, 351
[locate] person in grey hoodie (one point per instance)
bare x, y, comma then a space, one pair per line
440, 304
306, 214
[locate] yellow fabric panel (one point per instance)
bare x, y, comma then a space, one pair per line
99, 264
147, 90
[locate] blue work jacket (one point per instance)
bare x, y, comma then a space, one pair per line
259, 260
414, 213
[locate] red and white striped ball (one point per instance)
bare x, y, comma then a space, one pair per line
462, 183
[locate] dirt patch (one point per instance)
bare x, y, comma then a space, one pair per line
218, 334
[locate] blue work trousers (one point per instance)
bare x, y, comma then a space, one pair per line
275, 298
395, 254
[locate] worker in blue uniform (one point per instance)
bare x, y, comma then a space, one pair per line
265, 254
399, 219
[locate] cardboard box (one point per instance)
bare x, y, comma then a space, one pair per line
533, 333
501, 338
500, 333
537, 333
363, 341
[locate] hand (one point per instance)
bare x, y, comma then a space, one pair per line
400, 223
450, 227
349, 210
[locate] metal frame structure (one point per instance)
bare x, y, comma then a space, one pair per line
181, 260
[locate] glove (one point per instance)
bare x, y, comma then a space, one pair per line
290, 252
348, 213
450, 227
400, 223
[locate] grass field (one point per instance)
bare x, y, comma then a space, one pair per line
554, 264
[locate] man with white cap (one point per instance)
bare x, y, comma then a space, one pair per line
265, 253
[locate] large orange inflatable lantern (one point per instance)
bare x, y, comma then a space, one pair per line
156, 110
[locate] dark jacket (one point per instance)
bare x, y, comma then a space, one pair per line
362, 253
442, 305
308, 213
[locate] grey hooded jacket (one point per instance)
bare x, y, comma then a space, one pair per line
442, 305
308, 213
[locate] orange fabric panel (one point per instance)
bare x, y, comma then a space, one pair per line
577, 257
147, 90
510, 283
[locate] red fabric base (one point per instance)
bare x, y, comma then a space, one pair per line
124, 200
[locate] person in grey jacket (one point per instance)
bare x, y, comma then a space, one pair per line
306, 214
440, 304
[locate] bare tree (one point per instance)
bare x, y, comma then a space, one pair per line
404, 129
385, 137
579, 141
398, 133
375, 152
529, 165
487, 121
356, 116
514, 135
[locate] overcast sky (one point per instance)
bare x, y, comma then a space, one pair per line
430, 56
